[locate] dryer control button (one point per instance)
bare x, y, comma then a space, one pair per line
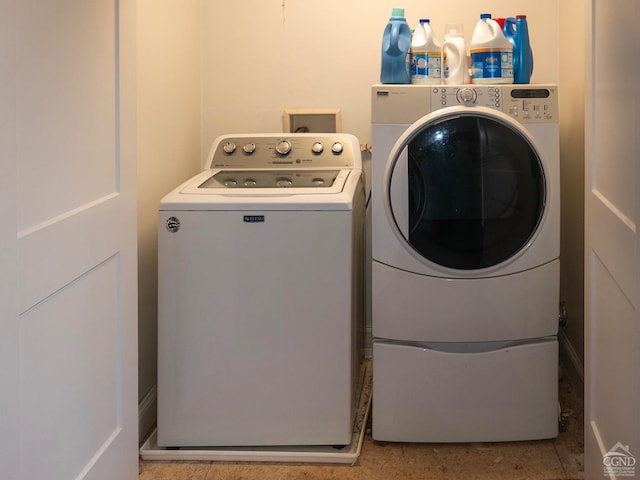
337, 148
467, 96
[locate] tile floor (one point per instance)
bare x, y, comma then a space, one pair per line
560, 458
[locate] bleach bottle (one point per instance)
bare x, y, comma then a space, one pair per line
455, 69
517, 31
426, 65
396, 42
491, 53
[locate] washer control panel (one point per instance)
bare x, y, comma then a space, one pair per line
292, 150
526, 103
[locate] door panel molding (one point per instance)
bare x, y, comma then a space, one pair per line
55, 254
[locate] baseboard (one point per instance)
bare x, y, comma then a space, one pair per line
573, 357
147, 414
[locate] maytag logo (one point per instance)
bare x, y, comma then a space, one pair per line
254, 218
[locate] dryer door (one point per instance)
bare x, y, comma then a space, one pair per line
466, 189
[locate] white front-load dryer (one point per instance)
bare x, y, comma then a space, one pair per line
465, 269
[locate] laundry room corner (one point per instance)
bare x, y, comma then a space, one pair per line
572, 171
168, 103
204, 71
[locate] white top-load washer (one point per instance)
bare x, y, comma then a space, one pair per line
261, 294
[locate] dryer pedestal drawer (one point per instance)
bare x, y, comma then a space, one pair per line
408, 306
465, 392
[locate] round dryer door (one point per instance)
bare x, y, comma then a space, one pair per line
466, 190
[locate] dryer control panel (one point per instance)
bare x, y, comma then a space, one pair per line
525, 103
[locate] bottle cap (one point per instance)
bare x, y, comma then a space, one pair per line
424, 20
521, 16
397, 12
454, 30
485, 15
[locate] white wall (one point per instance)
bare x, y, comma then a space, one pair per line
572, 153
168, 150
262, 56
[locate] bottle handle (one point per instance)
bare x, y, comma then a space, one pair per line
510, 26
395, 36
494, 27
452, 51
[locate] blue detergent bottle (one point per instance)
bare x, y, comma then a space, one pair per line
517, 31
396, 42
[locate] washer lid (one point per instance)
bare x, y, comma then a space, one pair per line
194, 195
240, 182
259, 179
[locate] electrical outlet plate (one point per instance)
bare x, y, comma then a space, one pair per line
315, 120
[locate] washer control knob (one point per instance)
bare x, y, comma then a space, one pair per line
317, 148
249, 148
467, 95
230, 182
283, 182
229, 148
337, 148
283, 147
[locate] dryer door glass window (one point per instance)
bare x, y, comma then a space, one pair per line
476, 192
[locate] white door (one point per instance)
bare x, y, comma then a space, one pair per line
71, 314
612, 260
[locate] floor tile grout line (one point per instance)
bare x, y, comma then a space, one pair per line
562, 466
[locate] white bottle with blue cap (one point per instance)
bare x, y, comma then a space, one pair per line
491, 53
426, 55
